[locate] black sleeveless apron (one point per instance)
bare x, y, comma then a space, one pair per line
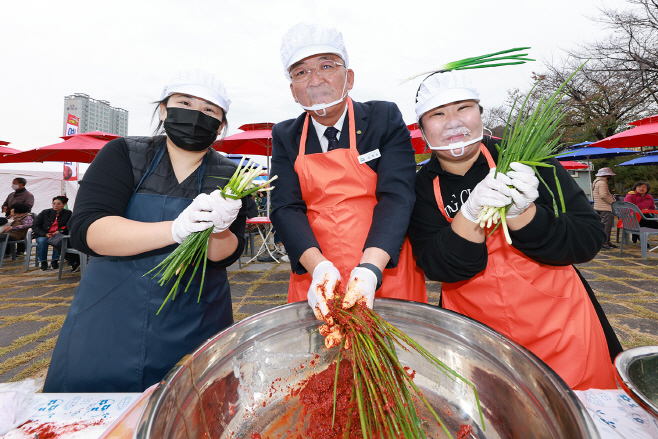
112, 340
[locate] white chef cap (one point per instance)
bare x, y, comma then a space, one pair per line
200, 84
304, 40
444, 88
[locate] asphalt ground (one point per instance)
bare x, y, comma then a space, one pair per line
33, 304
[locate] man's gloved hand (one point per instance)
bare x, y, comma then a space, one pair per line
525, 191
362, 284
489, 192
195, 218
325, 278
224, 211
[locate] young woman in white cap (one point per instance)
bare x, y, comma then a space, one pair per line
345, 181
140, 198
603, 202
528, 291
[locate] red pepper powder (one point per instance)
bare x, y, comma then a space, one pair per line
317, 397
464, 432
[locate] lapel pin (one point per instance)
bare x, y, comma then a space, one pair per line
358, 132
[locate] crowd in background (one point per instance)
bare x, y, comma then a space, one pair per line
48, 227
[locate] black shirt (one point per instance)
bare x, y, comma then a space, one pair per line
110, 181
572, 237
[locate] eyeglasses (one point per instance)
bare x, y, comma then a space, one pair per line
325, 68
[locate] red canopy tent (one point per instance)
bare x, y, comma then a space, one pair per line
646, 120
5, 150
256, 139
417, 140
81, 148
645, 133
573, 165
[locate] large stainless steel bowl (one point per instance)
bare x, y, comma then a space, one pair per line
239, 382
637, 374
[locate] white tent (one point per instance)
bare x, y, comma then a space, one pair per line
44, 181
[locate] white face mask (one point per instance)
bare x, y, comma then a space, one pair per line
453, 147
15, 187
323, 107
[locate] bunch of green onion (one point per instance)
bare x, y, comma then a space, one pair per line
384, 392
194, 250
530, 140
496, 59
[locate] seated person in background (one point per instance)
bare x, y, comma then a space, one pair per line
48, 223
252, 207
19, 213
641, 198
20, 195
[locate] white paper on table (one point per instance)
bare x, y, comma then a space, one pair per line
617, 416
69, 408
54, 407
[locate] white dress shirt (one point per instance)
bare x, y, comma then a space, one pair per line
319, 129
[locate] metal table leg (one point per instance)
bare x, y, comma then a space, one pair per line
265, 245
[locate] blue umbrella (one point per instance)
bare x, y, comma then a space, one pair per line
236, 158
594, 152
642, 161
579, 145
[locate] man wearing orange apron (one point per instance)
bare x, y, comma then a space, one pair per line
529, 290
346, 173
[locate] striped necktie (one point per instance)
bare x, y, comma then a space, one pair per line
330, 133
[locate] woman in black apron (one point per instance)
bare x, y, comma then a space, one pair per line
141, 197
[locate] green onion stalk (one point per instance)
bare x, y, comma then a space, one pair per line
530, 140
384, 392
496, 59
194, 250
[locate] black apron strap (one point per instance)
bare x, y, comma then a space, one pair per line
202, 170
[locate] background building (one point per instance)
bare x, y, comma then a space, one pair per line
95, 115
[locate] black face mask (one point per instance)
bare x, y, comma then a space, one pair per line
191, 130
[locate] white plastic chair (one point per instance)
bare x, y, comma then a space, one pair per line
28, 250
66, 249
628, 213
27, 241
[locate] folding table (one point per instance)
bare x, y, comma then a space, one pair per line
264, 226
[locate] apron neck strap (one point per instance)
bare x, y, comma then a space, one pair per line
156, 161
437, 186
202, 170
487, 154
352, 128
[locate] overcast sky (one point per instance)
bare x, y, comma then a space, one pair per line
125, 51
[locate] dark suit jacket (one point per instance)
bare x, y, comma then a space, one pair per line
379, 125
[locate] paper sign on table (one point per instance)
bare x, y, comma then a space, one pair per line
618, 416
54, 407
73, 415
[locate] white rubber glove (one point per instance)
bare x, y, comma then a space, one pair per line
489, 192
224, 211
325, 278
362, 284
525, 191
195, 218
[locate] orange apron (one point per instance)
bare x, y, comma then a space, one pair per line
544, 308
340, 199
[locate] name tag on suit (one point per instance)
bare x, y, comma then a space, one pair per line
372, 155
